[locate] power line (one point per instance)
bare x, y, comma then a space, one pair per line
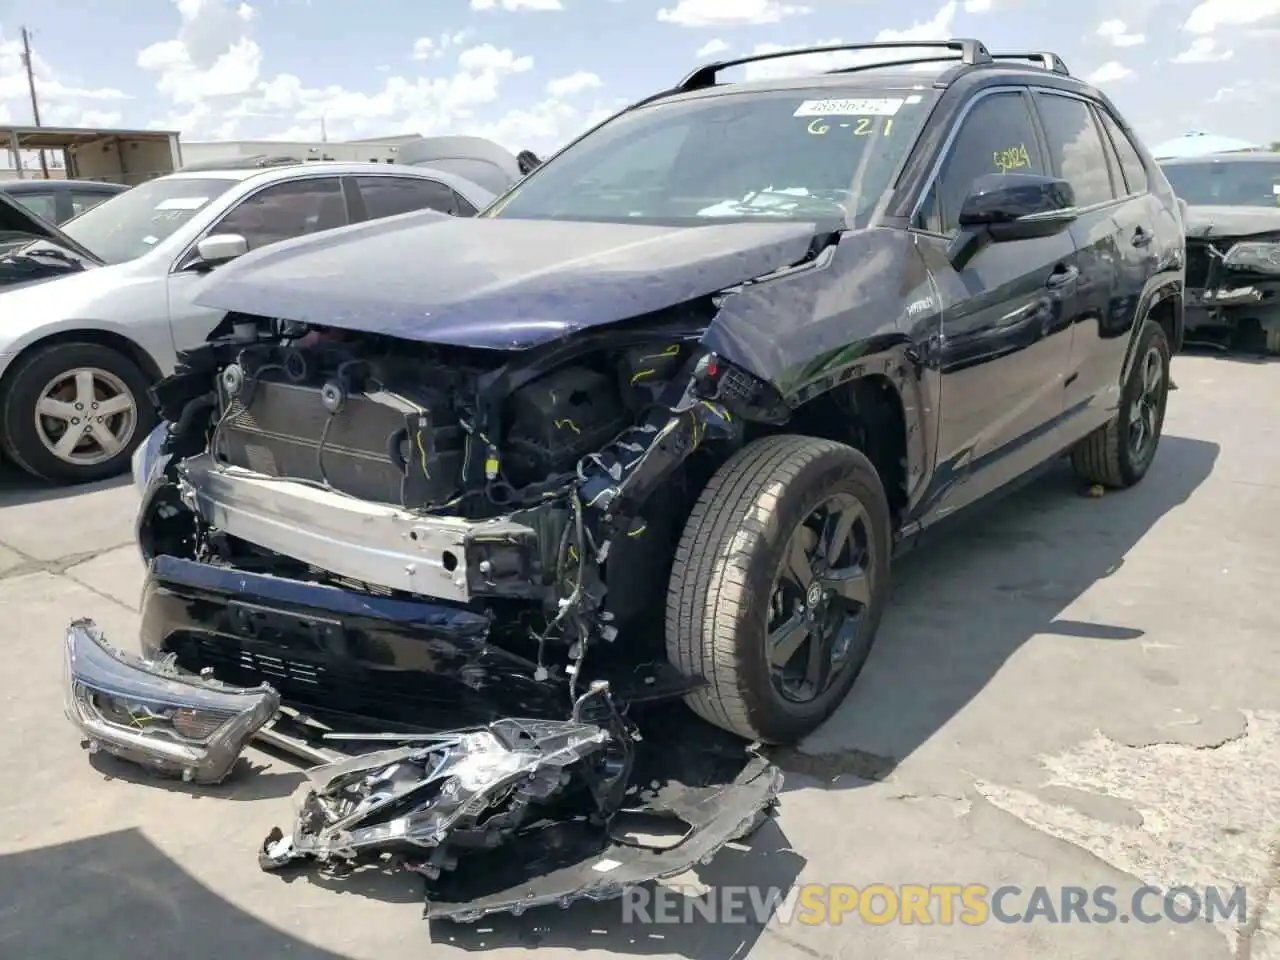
31, 87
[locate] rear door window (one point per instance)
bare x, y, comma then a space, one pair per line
1075, 147
388, 196
1135, 173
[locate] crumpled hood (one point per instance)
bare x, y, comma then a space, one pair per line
503, 284
1230, 221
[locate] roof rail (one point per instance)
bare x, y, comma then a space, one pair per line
905, 62
1045, 59
971, 52
255, 162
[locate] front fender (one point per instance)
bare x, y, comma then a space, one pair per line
154, 343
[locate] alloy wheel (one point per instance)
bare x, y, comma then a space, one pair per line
86, 416
1144, 413
820, 599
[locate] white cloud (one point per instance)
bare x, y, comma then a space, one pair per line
1110, 72
516, 4
1213, 14
940, 27
1118, 35
712, 47
50, 86
211, 74
574, 83
720, 13
428, 48
977, 6
212, 55
545, 126
1204, 50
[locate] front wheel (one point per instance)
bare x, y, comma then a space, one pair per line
75, 412
1119, 453
778, 585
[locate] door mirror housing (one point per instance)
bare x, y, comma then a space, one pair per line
219, 248
1002, 207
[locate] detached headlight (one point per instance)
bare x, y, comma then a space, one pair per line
148, 461
150, 714
1253, 255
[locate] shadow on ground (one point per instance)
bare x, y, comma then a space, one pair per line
969, 597
248, 781
18, 488
118, 897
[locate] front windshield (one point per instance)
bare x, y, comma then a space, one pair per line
1238, 183
132, 223
793, 154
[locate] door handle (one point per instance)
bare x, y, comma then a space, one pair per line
1061, 276
1141, 237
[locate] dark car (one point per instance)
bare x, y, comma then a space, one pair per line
654, 424
1233, 245
51, 254
57, 201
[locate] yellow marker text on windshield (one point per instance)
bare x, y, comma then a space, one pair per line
860, 127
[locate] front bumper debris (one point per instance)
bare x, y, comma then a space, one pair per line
148, 713
515, 814
430, 801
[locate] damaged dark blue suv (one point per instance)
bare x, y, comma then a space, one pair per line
668, 408
649, 428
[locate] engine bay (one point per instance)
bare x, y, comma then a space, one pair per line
422, 429
517, 485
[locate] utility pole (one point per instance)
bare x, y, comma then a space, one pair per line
324, 135
31, 86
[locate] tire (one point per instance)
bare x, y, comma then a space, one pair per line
113, 375
731, 556
1107, 457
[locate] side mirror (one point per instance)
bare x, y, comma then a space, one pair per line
220, 248
1002, 207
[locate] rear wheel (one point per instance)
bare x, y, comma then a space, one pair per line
778, 585
75, 412
1119, 453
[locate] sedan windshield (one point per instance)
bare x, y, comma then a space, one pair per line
1247, 183
132, 223
794, 154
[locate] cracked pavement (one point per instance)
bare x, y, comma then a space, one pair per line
1066, 692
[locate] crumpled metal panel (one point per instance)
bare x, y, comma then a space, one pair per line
425, 801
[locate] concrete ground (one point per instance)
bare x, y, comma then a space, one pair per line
1067, 692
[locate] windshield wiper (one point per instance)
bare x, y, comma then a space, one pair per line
31, 260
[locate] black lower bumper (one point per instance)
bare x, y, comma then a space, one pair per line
419, 665
340, 653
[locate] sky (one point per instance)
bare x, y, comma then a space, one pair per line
534, 73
